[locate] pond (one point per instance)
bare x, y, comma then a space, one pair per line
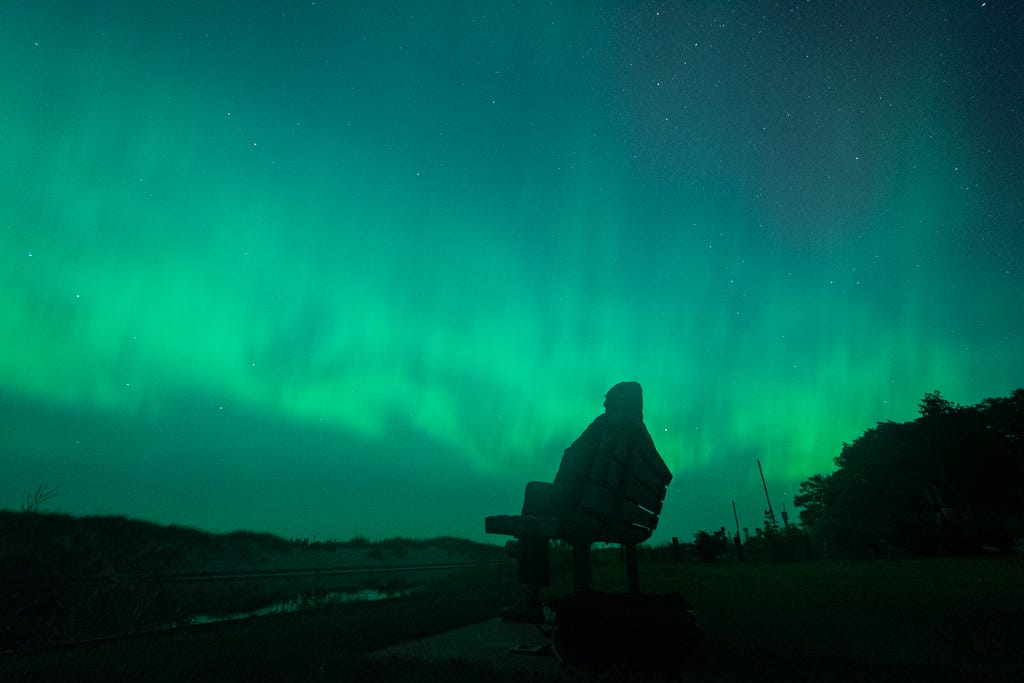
307, 602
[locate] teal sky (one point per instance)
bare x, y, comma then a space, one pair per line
338, 268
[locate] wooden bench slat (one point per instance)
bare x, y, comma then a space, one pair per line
520, 525
648, 477
628, 510
569, 529
656, 465
607, 472
598, 500
640, 494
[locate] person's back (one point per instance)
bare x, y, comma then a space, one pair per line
614, 434
618, 434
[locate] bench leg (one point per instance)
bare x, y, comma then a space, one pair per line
582, 572
632, 568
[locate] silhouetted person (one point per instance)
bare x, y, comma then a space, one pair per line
616, 434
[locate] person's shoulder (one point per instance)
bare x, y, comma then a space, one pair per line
593, 432
600, 422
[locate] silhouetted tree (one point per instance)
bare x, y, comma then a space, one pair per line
43, 493
933, 405
813, 499
951, 480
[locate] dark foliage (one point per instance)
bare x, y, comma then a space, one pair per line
710, 545
950, 481
779, 544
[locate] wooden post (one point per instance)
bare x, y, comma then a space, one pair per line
632, 568
582, 572
677, 554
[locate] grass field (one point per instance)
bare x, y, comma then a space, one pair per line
882, 620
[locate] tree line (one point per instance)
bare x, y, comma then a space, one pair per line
949, 481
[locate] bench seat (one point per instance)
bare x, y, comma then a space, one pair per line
572, 529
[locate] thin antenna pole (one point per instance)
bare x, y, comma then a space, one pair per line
771, 511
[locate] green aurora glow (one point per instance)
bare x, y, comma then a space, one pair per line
331, 270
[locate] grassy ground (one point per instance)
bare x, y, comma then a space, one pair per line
65, 578
907, 620
315, 645
935, 620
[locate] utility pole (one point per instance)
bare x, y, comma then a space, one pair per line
771, 511
736, 541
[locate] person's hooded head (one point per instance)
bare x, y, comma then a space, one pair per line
624, 402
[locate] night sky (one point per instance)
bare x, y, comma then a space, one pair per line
365, 268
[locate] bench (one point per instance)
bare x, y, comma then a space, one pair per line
621, 503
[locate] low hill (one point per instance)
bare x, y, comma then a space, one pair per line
53, 546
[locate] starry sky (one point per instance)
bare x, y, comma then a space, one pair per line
331, 268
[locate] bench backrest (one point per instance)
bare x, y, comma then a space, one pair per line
626, 495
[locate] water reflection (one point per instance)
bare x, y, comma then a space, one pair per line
307, 602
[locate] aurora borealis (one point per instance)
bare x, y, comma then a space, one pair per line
338, 268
